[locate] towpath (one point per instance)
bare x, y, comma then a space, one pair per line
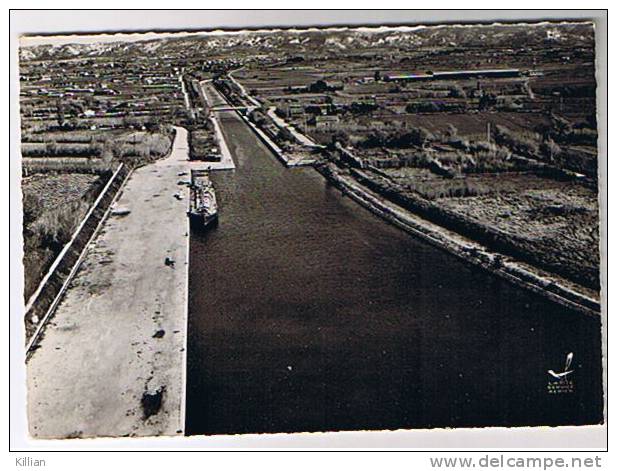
281, 123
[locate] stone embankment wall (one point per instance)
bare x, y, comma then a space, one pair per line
436, 235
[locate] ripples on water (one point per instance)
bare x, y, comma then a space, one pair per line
308, 313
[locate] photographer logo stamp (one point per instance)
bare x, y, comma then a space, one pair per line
561, 382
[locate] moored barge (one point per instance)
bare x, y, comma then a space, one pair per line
203, 209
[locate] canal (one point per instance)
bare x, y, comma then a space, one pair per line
308, 313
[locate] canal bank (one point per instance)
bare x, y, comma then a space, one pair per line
111, 360
526, 276
214, 98
308, 313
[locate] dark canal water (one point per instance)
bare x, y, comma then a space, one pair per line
308, 313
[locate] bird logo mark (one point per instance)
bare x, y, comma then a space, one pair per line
566, 370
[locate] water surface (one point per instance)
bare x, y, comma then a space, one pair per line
307, 313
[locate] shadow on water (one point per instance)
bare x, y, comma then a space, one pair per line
307, 313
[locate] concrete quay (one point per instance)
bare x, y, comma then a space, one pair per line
111, 360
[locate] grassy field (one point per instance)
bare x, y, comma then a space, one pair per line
54, 204
559, 223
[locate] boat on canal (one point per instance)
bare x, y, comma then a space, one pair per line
203, 209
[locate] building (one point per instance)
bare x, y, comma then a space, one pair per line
453, 74
326, 122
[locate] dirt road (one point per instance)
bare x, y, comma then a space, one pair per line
112, 358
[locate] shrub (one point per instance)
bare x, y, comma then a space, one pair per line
562, 131
149, 146
32, 207
415, 137
341, 137
67, 149
54, 228
418, 137
359, 107
258, 117
583, 136
456, 91
285, 135
375, 138
313, 109
550, 149
487, 100
518, 143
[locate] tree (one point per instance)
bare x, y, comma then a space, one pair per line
417, 137
60, 113
376, 138
341, 137
452, 131
284, 134
51, 148
487, 100
550, 149
313, 109
456, 91
319, 86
